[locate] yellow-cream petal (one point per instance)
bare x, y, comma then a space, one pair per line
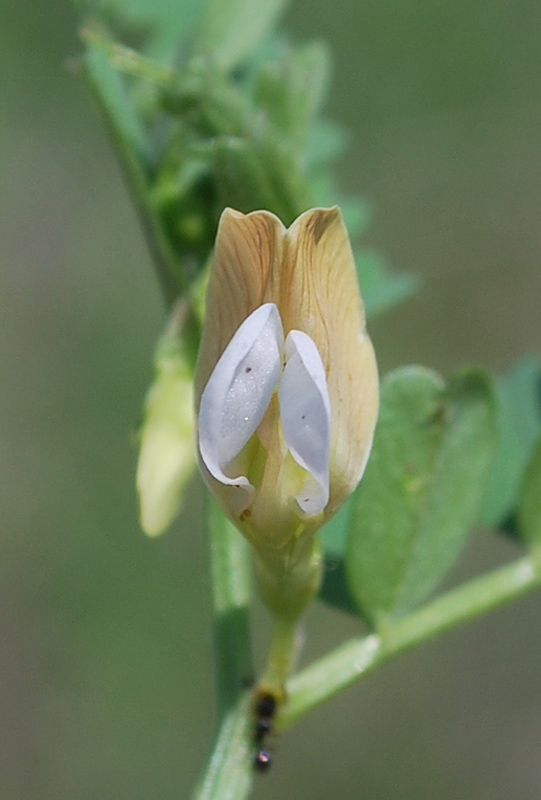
309, 273
247, 258
320, 296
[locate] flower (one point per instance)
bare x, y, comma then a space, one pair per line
286, 386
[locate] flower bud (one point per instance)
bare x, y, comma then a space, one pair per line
286, 385
166, 454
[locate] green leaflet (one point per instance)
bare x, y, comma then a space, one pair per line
381, 289
334, 588
529, 504
291, 90
420, 494
389, 291
326, 140
134, 152
113, 96
163, 22
241, 178
231, 30
333, 537
334, 534
519, 426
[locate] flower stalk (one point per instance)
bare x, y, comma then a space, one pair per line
284, 650
351, 662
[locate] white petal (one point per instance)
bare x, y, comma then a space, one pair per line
305, 414
239, 391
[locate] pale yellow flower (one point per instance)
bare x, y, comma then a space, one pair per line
286, 384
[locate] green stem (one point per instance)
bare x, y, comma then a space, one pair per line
229, 772
129, 140
356, 658
282, 654
231, 595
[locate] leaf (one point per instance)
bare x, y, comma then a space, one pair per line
334, 588
382, 289
356, 211
231, 30
291, 90
114, 98
326, 141
333, 537
529, 504
389, 293
241, 178
420, 494
166, 22
519, 426
134, 152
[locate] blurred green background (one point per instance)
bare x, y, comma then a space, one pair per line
105, 648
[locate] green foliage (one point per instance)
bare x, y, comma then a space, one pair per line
381, 289
109, 84
529, 505
230, 32
421, 491
333, 535
133, 149
334, 589
162, 26
517, 395
216, 110
291, 91
519, 425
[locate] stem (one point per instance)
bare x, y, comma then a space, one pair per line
282, 654
356, 658
231, 594
111, 97
229, 772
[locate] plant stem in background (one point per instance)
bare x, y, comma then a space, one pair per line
228, 774
129, 140
229, 771
231, 596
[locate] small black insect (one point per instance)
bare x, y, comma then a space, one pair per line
262, 761
265, 706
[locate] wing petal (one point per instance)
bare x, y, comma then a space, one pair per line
305, 415
238, 393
